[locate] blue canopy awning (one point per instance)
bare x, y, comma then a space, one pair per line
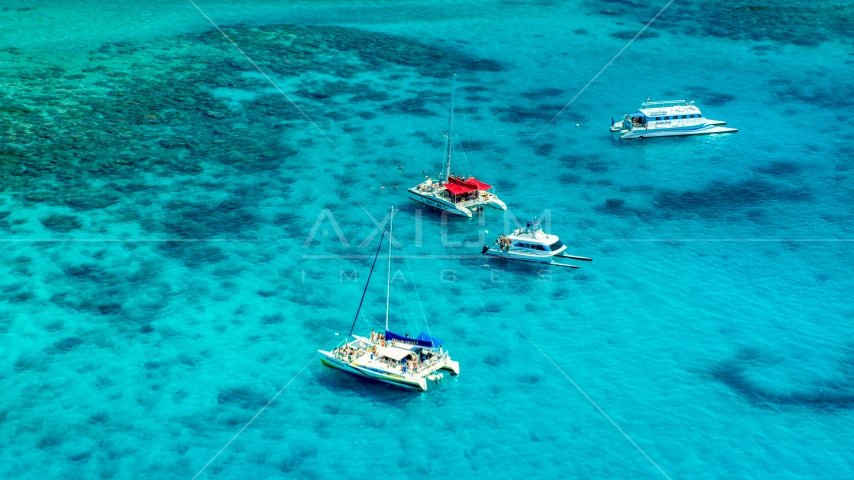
423, 339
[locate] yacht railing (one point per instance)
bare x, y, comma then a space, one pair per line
480, 200
665, 104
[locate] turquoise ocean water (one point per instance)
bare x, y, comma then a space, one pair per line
160, 282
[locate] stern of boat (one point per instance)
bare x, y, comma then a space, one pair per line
494, 202
451, 365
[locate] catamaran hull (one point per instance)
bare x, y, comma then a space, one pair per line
416, 383
494, 202
712, 126
440, 204
396, 380
489, 201
452, 366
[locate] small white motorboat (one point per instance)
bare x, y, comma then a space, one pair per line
670, 118
390, 357
531, 244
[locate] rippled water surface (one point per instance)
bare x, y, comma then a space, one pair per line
179, 239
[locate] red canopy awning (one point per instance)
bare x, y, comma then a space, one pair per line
478, 184
458, 189
471, 182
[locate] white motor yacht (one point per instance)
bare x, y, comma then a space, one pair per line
390, 357
454, 194
668, 119
531, 244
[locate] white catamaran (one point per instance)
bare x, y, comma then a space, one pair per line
531, 244
667, 119
389, 357
454, 194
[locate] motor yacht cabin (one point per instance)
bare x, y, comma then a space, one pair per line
531, 244
667, 119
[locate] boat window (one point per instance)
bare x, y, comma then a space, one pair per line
540, 247
658, 118
556, 245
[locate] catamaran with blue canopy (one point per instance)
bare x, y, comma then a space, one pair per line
390, 357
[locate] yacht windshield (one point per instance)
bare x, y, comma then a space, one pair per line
555, 246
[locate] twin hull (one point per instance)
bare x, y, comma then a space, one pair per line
418, 383
454, 208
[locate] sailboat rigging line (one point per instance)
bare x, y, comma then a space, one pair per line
366, 285
468, 141
415, 287
450, 139
388, 278
466, 164
369, 320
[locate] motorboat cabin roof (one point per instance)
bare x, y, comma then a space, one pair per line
668, 108
544, 239
533, 233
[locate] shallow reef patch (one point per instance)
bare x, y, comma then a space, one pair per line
798, 23
822, 395
721, 197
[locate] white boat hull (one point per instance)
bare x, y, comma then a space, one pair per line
414, 382
461, 208
710, 128
495, 252
439, 203
511, 255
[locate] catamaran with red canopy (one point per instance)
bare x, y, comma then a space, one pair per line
451, 193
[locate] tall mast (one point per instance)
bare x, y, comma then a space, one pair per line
358, 310
388, 281
449, 141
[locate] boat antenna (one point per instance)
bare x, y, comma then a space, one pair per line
366, 284
448, 141
388, 277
